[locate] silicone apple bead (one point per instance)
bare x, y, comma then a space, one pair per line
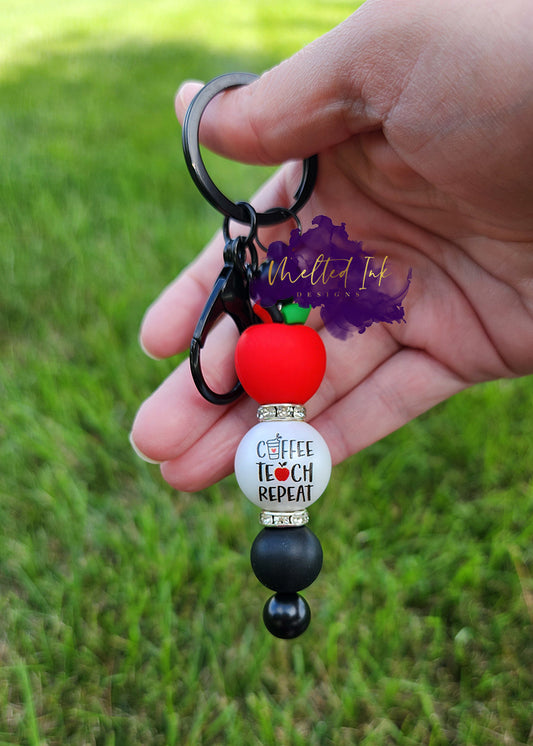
280, 363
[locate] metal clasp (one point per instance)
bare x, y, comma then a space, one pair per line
230, 295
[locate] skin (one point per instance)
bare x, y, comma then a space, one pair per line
422, 115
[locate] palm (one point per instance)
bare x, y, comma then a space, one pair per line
463, 276
376, 381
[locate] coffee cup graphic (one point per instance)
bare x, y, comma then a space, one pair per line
273, 448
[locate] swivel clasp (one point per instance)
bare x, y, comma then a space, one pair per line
231, 296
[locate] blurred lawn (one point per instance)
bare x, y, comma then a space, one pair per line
128, 613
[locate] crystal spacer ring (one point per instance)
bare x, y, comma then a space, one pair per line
279, 412
276, 519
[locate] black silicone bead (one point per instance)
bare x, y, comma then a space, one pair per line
286, 559
286, 615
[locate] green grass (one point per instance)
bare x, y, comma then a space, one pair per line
128, 612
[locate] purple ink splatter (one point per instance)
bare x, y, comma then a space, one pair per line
324, 268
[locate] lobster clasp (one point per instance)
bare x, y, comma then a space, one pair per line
230, 295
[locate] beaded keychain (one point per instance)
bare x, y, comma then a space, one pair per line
283, 464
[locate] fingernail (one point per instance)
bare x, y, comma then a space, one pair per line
148, 354
184, 95
140, 454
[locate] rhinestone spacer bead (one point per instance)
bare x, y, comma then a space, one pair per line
279, 519
273, 412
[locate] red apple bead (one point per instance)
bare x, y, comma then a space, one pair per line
280, 363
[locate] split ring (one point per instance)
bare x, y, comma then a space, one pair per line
198, 171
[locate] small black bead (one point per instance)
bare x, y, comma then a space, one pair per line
286, 615
286, 559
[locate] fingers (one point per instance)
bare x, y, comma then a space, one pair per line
211, 457
328, 91
175, 416
403, 387
357, 405
198, 440
169, 322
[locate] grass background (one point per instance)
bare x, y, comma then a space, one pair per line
128, 612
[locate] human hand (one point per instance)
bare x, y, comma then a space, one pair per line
422, 115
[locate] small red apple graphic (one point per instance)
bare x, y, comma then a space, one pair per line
281, 473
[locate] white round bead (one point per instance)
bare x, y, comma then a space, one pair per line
283, 466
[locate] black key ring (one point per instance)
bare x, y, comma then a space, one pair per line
198, 171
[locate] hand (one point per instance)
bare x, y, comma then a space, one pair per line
422, 115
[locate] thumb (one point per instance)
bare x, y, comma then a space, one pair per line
339, 85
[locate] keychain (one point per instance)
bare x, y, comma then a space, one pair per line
282, 464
